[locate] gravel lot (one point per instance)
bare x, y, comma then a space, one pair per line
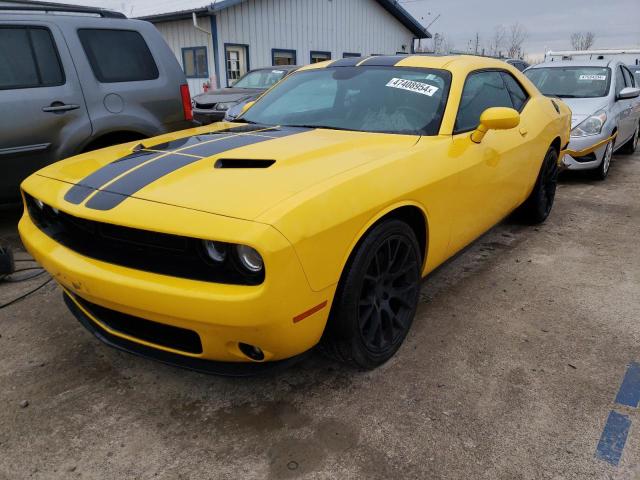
512, 367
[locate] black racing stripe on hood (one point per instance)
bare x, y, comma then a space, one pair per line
85, 187
139, 178
80, 192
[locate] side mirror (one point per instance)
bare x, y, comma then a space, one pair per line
247, 106
495, 118
628, 92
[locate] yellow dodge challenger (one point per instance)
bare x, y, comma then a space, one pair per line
237, 247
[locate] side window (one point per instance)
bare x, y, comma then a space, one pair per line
118, 55
28, 58
482, 90
628, 78
619, 80
518, 96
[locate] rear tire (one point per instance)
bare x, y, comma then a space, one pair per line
630, 147
538, 206
377, 297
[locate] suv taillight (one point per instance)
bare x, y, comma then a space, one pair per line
186, 102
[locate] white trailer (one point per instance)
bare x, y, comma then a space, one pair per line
630, 56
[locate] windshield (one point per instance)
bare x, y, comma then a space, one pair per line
571, 82
368, 99
260, 79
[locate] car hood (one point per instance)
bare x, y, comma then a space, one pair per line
581, 108
226, 95
238, 172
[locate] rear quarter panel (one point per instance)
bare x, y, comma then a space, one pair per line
150, 107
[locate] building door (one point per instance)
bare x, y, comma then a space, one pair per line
237, 62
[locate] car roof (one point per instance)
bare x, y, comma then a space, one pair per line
443, 62
276, 67
576, 63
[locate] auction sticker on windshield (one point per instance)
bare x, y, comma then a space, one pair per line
413, 86
593, 77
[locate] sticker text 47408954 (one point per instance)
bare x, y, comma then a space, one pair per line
413, 86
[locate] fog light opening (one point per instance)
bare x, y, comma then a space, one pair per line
251, 351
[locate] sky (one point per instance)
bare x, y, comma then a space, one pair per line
549, 23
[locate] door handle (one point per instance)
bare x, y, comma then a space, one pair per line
523, 132
59, 107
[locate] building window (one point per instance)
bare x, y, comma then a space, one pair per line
316, 57
195, 62
350, 55
236, 58
283, 57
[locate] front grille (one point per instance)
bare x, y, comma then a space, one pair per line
145, 250
157, 333
205, 106
591, 157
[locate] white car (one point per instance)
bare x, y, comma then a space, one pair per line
603, 96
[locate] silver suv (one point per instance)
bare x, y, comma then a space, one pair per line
603, 97
74, 79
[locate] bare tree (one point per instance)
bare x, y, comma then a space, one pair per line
439, 44
496, 42
515, 38
582, 40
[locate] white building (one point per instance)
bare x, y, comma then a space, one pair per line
630, 56
218, 42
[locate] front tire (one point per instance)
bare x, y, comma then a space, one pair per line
602, 172
377, 297
630, 147
538, 206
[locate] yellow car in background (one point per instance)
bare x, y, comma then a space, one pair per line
236, 247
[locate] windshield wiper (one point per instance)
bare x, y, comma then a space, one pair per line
243, 120
565, 96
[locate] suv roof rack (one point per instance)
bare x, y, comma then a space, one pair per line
48, 7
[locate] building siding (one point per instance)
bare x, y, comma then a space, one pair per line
336, 26
181, 34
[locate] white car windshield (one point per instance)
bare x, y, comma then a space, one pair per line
260, 79
571, 82
371, 99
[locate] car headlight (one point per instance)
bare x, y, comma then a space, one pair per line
249, 258
590, 126
241, 259
223, 107
215, 251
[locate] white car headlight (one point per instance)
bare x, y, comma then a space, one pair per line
223, 107
590, 126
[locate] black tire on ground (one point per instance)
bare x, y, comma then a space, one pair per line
538, 206
377, 297
602, 172
631, 146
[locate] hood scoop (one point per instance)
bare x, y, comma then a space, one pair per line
243, 163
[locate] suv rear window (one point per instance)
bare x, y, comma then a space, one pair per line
118, 55
28, 58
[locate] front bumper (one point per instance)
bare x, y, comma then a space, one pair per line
232, 369
222, 315
586, 153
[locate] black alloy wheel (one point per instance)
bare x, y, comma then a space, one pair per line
377, 297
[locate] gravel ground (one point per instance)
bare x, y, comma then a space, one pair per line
516, 355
